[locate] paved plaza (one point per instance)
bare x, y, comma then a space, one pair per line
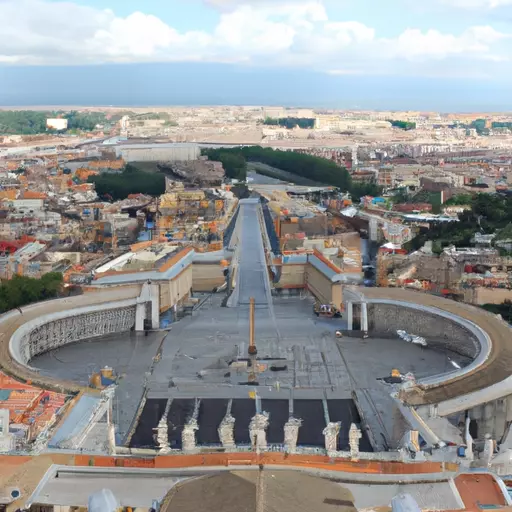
300, 365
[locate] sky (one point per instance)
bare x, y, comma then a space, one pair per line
399, 54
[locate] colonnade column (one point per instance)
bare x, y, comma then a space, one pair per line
350, 316
155, 306
363, 309
140, 316
364, 316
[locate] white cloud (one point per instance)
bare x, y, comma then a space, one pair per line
477, 4
349, 32
345, 72
253, 30
281, 33
230, 4
413, 43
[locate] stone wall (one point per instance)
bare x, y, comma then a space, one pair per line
319, 285
385, 319
443, 271
483, 295
174, 291
493, 418
292, 276
207, 276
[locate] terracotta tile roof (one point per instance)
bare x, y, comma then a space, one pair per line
32, 194
27, 404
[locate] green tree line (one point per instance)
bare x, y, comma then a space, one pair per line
233, 161
504, 309
404, 125
32, 122
423, 196
311, 167
290, 122
308, 166
20, 290
84, 121
479, 126
358, 190
130, 181
459, 200
22, 122
488, 214
500, 124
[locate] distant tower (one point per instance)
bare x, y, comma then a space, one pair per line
355, 161
125, 123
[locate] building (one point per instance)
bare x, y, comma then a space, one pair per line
166, 266
57, 124
344, 158
339, 124
202, 172
274, 112
327, 122
146, 127
438, 184
179, 152
364, 176
412, 207
193, 215
30, 410
386, 177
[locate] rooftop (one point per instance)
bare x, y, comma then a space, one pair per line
144, 256
271, 488
29, 406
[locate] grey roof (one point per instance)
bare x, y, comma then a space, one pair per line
323, 268
244, 490
249, 491
153, 145
72, 486
429, 496
152, 275
77, 421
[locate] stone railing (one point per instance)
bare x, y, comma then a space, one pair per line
441, 328
54, 330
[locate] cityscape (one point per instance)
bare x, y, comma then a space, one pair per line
235, 277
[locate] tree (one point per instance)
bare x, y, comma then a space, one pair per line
234, 165
233, 162
241, 191
489, 213
499, 124
271, 121
459, 200
84, 121
20, 290
130, 181
307, 166
504, 309
359, 190
22, 122
403, 125
290, 122
479, 126
30, 122
401, 196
